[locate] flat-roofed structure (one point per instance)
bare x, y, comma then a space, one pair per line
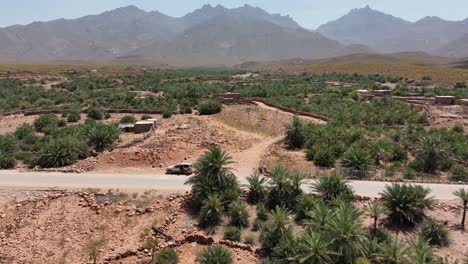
444, 100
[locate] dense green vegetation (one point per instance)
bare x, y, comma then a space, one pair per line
48, 145
328, 228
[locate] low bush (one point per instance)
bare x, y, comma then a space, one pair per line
95, 113
435, 233
59, 152
238, 214
102, 136
210, 107
146, 117
45, 121
128, 119
211, 212
232, 233
215, 255
166, 114
73, 117
324, 158
7, 151
406, 204
167, 256
458, 173
249, 240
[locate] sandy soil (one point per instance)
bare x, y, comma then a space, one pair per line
57, 227
449, 116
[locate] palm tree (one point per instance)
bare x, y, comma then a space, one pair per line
421, 251
375, 210
394, 252
315, 248
211, 211
406, 204
238, 213
215, 255
275, 229
295, 137
280, 188
379, 150
346, 229
213, 175
333, 186
430, 151
319, 217
462, 194
257, 189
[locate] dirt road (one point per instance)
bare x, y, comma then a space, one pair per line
13, 179
314, 120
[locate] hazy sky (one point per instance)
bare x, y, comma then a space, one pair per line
309, 13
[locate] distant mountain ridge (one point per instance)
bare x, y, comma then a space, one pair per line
388, 34
209, 35
215, 35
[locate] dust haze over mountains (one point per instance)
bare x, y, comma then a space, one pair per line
215, 35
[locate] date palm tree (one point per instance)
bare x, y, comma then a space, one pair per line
462, 194
375, 210
315, 248
430, 151
319, 217
213, 175
346, 229
394, 252
257, 188
295, 137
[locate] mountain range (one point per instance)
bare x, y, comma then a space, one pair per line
388, 34
215, 35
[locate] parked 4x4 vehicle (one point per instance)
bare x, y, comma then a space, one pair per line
180, 168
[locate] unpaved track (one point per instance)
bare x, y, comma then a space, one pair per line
314, 120
21, 180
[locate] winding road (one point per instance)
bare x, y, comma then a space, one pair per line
137, 182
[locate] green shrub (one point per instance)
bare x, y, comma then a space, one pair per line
398, 153
186, 109
305, 204
211, 212
458, 173
107, 116
295, 137
458, 129
406, 204
25, 133
146, 117
61, 152
45, 121
357, 159
210, 107
262, 212
257, 189
128, 119
102, 136
73, 117
310, 154
333, 186
232, 233
166, 113
61, 123
435, 233
238, 214
324, 158
7, 151
249, 240
215, 255
95, 114
167, 256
